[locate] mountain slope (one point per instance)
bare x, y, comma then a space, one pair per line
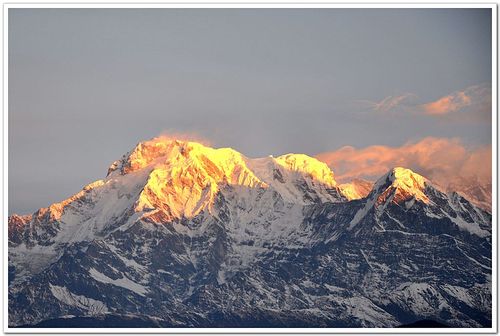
356, 189
477, 192
194, 236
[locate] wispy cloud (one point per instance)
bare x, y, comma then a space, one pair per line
184, 136
389, 103
444, 161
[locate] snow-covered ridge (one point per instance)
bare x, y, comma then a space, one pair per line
227, 163
179, 179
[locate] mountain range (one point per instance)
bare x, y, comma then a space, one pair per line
179, 234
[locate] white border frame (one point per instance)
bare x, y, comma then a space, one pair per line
268, 5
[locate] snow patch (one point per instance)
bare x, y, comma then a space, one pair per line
91, 306
123, 282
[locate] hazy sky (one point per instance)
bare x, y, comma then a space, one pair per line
85, 85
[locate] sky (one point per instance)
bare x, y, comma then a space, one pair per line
86, 85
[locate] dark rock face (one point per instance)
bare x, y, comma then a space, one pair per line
256, 259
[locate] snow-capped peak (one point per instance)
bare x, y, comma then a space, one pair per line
185, 177
403, 183
307, 165
156, 150
161, 150
406, 176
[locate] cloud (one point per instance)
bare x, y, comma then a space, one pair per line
389, 103
470, 104
184, 136
448, 104
444, 161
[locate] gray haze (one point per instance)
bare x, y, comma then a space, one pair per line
85, 85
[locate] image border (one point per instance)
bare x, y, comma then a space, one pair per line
280, 5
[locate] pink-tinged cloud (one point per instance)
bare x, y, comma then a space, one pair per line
473, 103
446, 162
448, 104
